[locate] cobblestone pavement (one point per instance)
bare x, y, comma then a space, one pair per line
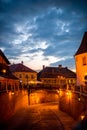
44, 116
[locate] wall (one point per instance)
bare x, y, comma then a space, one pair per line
73, 103
81, 70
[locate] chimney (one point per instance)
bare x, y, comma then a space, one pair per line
22, 62
43, 66
60, 66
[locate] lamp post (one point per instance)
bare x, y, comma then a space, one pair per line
4, 72
21, 83
27, 79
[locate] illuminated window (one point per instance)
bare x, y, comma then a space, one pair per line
84, 60
69, 81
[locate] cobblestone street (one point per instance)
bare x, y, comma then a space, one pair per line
39, 117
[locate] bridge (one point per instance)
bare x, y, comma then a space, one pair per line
73, 102
42, 108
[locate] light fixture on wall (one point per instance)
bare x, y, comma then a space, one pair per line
4, 71
79, 97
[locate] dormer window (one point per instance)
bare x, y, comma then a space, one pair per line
84, 61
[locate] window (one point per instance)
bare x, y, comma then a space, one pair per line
32, 76
26, 76
85, 77
20, 76
54, 81
84, 60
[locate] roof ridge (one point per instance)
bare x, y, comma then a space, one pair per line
20, 68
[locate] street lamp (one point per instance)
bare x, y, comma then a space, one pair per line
27, 79
4, 73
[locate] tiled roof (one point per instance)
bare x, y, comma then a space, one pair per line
20, 68
4, 67
54, 72
9, 76
4, 57
83, 45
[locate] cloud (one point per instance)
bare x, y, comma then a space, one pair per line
64, 61
42, 32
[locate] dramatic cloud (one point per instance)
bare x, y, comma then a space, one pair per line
42, 32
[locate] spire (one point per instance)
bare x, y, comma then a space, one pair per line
83, 45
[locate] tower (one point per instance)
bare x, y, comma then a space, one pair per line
81, 61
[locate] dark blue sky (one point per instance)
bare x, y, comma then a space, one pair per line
42, 32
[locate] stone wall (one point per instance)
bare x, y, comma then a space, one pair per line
73, 103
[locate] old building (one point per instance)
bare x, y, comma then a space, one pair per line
57, 77
7, 80
26, 75
81, 62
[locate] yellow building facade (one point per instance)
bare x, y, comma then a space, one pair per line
81, 68
26, 78
81, 62
57, 77
25, 75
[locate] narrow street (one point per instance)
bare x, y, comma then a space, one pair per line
37, 116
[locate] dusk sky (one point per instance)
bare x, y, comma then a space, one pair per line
42, 32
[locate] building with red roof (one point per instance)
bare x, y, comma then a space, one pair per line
57, 76
25, 74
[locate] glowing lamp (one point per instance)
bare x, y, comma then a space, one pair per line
58, 91
12, 93
79, 99
4, 71
67, 93
82, 117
